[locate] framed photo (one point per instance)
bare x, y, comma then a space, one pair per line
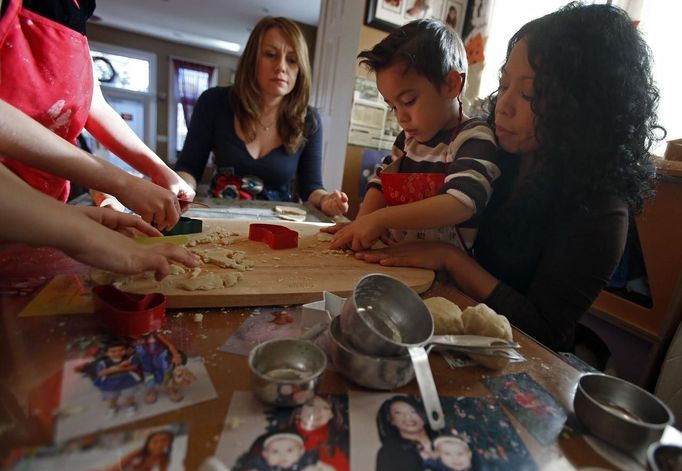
453, 15
386, 14
391, 14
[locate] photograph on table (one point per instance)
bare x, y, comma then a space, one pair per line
161, 448
530, 403
110, 380
264, 324
312, 436
390, 432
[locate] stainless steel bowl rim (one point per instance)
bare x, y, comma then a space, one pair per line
313, 375
377, 358
391, 341
640, 423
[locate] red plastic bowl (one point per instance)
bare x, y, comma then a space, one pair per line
401, 188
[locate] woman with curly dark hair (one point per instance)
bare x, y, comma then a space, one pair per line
575, 117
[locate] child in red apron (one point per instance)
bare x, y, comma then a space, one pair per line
438, 179
46, 72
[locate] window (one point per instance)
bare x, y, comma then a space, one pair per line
188, 81
659, 22
127, 78
506, 19
119, 71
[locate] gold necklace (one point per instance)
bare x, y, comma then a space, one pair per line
264, 127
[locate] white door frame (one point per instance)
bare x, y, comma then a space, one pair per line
334, 65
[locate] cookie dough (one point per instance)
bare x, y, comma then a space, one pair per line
210, 281
225, 258
447, 316
482, 320
324, 236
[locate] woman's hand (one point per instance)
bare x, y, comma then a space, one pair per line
430, 255
334, 204
335, 228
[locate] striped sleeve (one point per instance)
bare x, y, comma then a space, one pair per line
474, 168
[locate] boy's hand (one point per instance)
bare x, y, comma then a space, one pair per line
359, 234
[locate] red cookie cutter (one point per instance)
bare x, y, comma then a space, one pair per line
127, 313
277, 237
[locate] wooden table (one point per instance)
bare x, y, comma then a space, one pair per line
33, 350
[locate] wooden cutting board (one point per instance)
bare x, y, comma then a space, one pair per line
281, 277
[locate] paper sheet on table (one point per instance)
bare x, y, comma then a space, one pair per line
63, 295
322, 311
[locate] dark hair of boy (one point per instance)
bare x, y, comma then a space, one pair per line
427, 46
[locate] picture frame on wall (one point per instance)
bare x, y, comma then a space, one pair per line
454, 12
388, 15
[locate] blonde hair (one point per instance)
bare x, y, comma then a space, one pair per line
247, 94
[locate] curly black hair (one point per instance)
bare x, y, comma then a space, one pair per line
595, 102
426, 46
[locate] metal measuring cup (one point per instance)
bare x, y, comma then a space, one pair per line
384, 317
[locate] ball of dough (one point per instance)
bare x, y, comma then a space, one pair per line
482, 320
447, 316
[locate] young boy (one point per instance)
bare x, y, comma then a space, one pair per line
453, 453
285, 452
116, 377
157, 357
420, 71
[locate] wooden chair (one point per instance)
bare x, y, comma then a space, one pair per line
636, 335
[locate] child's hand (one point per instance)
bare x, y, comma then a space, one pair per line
120, 222
152, 202
109, 250
359, 234
334, 204
172, 181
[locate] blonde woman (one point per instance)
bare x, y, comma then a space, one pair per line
262, 126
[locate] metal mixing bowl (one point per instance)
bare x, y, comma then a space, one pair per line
384, 317
384, 373
620, 413
286, 372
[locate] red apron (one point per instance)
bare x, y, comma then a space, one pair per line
46, 72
